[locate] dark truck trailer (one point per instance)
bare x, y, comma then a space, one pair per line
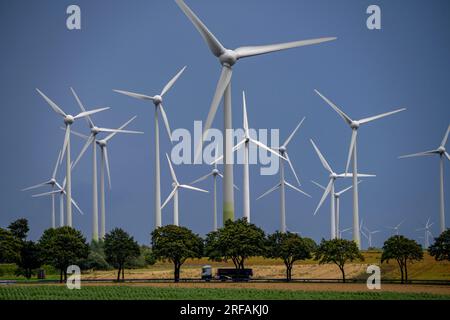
234, 274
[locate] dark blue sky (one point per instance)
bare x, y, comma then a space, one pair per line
139, 45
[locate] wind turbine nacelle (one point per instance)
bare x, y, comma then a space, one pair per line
282, 150
101, 143
354, 125
95, 130
215, 172
441, 149
69, 119
229, 58
157, 99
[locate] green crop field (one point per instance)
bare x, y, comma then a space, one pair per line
53, 292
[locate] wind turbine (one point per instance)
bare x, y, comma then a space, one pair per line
337, 196
396, 228
369, 235
428, 233
52, 183
227, 59
214, 173
91, 141
174, 194
330, 188
61, 190
68, 121
343, 231
354, 125
103, 144
441, 152
157, 101
245, 143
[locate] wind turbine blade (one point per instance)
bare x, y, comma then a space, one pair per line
105, 150
36, 186
224, 80
119, 131
318, 184
296, 189
263, 146
169, 197
88, 113
234, 186
369, 119
171, 82
235, 148
249, 51
324, 196
185, 186
292, 168
447, 155
269, 191
88, 118
419, 154
201, 178
166, 121
66, 141
76, 133
245, 122
83, 150
214, 45
341, 113
45, 194
350, 149
120, 128
75, 204
135, 95
172, 172
322, 158
55, 108
55, 169
345, 190
293, 133
444, 140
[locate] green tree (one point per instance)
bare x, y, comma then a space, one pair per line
120, 248
9, 247
19, 228
29, 260
176, 244
339, 252
96, 259
62, 247
237, 240
289, 247
440, 249
403, 250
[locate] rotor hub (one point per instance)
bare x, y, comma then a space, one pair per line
69, 119
282, 150
95, 130
101, 143
441, 149
333, 176
354, 124
215, 172
228, 58
157, 99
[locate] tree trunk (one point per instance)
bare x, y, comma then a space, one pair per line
118, 273
343, 273
123, 274
177, 272
401, 270
406, 272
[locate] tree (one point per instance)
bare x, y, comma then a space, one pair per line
289, 247
440, 249
120, 248
402, 250
176, 244
339, 252
19, 228
96, 259
237, 240
29, 260
62, 247
9, 247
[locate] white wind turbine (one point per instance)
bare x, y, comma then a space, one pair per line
343, 231
428, 233
396, 228
174, 194
52, 183
103, 144
62, 192
441, 152
354, 125
214, 173
369, 235
91, 140
337, 196
157, 101
330, 188
227, 59
245, 143
68, 121
285, 157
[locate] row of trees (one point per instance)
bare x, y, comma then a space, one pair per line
236, 241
